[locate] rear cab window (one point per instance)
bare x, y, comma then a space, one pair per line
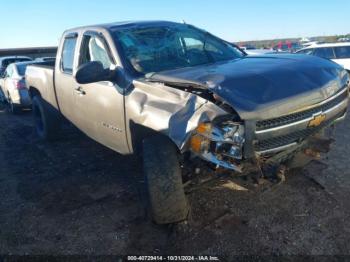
68, 51
342, 52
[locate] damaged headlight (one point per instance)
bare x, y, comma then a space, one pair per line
224, 140
229, 138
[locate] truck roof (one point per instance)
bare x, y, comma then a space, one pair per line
126, 24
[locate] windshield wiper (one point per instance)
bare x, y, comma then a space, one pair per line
175, 82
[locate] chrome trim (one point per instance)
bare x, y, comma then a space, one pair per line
340, 118
330, 113
334, 107
286, 126
276, 149
302, 121
319, 104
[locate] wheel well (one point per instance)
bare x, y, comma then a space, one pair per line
140, 132
33, 92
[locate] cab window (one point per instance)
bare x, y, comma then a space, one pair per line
342, 52
325, 52
68, 54
308, 51
93, 48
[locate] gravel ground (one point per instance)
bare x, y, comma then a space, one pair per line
74, 196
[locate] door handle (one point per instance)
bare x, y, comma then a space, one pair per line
79, 90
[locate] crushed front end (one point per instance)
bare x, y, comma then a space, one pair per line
235, 144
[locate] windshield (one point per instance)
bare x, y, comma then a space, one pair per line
159, 48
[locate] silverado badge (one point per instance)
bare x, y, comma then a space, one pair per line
317, 120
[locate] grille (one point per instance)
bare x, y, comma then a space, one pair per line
297, 136
288, 119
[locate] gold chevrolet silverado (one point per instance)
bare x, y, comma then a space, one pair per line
175, 92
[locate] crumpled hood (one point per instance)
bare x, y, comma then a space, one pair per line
268, 86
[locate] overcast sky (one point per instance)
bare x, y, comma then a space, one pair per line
40, 22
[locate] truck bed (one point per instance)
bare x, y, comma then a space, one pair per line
39, 81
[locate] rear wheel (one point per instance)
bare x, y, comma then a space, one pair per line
46, 120
167, 200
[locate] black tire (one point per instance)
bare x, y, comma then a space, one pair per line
163, 176
46, 120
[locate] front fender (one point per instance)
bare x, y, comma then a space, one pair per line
170, 111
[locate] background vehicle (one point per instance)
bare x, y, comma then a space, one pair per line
309, 43
337, 52
13, 86
174, 91
247, 47
264, 52
45, 59
6, 60
287, 46
344, 39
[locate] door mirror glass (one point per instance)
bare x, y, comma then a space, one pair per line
93, 72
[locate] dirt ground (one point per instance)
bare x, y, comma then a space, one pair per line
74, 196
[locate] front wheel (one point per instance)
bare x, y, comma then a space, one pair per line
46, 120
167, 200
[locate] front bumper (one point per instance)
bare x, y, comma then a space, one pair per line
269, 139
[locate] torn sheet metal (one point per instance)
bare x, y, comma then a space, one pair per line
170, 111
255, 87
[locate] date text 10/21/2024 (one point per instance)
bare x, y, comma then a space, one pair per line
173, 258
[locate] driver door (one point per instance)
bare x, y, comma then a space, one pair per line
99, 107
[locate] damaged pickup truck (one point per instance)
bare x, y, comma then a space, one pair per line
175, 92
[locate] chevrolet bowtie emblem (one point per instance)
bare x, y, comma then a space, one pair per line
318, 120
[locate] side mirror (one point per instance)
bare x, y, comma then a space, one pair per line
93, 72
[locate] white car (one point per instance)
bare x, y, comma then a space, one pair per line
337, 52
13, 88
